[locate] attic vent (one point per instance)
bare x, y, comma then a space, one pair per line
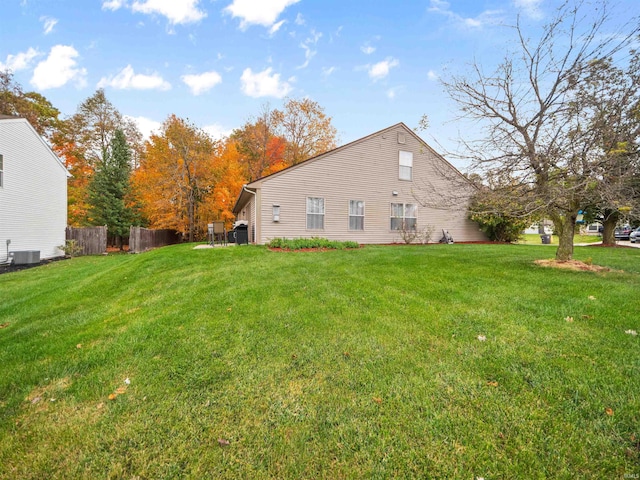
401, 138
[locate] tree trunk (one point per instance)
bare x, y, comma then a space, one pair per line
609, 227
191, 219
565, 226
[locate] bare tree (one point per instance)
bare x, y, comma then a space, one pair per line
525, 111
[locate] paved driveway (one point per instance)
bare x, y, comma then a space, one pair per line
622, 243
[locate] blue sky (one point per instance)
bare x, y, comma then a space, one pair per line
370, 63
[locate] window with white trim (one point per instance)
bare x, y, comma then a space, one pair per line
1, 171
356, 215
315, 213
405, 163
404, 216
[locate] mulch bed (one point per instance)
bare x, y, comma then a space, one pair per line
575, 265
17, 268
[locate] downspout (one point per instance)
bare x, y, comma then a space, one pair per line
253, 211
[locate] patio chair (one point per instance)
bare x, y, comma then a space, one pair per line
219, 233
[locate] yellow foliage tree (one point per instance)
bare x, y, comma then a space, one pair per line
176, 177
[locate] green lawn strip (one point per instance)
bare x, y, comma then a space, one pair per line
534, 239
347, 364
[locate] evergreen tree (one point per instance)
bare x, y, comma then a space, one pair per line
110, 193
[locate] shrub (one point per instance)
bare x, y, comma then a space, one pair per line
313, 242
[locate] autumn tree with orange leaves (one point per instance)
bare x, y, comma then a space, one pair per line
306, 129
176, 176
277, 139
229, 174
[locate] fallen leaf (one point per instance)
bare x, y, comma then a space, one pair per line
229, 309
79, 345
608, 411
294, 356
482, 338
378, 400
52, 399
569, 319
113, 396
36, 400
100, 406
223, 442
121, 390
492, 384
4, 325
586, 317
591, 297
346, 354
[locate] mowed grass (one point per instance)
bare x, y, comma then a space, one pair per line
534, 239
247, 363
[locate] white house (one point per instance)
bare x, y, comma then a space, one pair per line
33, 192
370, 191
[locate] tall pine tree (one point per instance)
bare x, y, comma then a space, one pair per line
110, 193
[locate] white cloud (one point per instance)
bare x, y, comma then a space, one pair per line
380, 70
19, 61
178, 12
48, 24
433, 76
367, 49
58, 69
113, 4
127, 79
258, 12
487, 17
202, 82
217, 131
326, 71
306, 46
531, 8
146, 125
264, 84
391, 93
299, 20
276, 26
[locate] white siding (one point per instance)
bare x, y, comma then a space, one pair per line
364, 170
33, 198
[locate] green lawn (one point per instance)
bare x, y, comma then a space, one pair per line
534, 239
339, 364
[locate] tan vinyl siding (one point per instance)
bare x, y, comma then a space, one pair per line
33, 198
366, 170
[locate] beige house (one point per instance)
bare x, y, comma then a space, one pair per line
374, 190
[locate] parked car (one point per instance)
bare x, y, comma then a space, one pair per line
622, 233
635, 236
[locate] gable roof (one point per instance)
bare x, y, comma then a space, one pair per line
244, 196
15, 119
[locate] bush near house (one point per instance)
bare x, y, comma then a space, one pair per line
313, 242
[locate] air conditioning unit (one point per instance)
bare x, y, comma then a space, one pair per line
25, 257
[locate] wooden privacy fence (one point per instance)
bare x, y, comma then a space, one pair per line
89, 241
143, 239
